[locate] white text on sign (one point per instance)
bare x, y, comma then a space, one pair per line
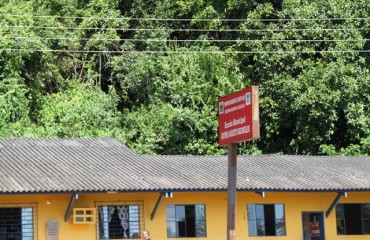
235, 122
235, 132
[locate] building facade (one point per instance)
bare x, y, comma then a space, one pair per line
99, 189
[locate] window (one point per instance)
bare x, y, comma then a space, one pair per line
186, 221
120, 220
16, 222
266, 220
353, 219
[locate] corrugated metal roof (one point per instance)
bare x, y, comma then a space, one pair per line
100, 165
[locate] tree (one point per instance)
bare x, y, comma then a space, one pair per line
154, 70
80, 111
310, 91
176, 89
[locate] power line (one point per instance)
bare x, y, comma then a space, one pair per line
185, 29
190, 19
30, 39
184, 52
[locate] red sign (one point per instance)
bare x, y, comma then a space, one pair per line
238, 116
315, 229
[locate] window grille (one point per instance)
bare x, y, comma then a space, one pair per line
18, 221
120, 220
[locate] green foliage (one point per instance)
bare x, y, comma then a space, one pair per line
308, 99
14, 105
361, 149
59, 76
80, 111
175, 89
155, 129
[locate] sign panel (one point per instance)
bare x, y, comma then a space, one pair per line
52, 230
238, 116
315, 229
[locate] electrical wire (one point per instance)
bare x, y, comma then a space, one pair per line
182, 52
31, 39
188, 30
184, 29
188, 19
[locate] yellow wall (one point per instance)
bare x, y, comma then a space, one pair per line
216, 213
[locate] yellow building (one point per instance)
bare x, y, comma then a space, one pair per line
82, 189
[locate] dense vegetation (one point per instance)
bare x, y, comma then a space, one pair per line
149, 72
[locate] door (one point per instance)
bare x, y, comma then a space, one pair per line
313, 226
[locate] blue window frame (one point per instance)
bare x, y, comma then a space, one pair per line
185, 221
266, 220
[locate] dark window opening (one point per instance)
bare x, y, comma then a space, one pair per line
270, 220
353, 219
116, 230
190, 221
10, 223
353, 212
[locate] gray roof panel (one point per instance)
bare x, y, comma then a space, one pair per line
100, 165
